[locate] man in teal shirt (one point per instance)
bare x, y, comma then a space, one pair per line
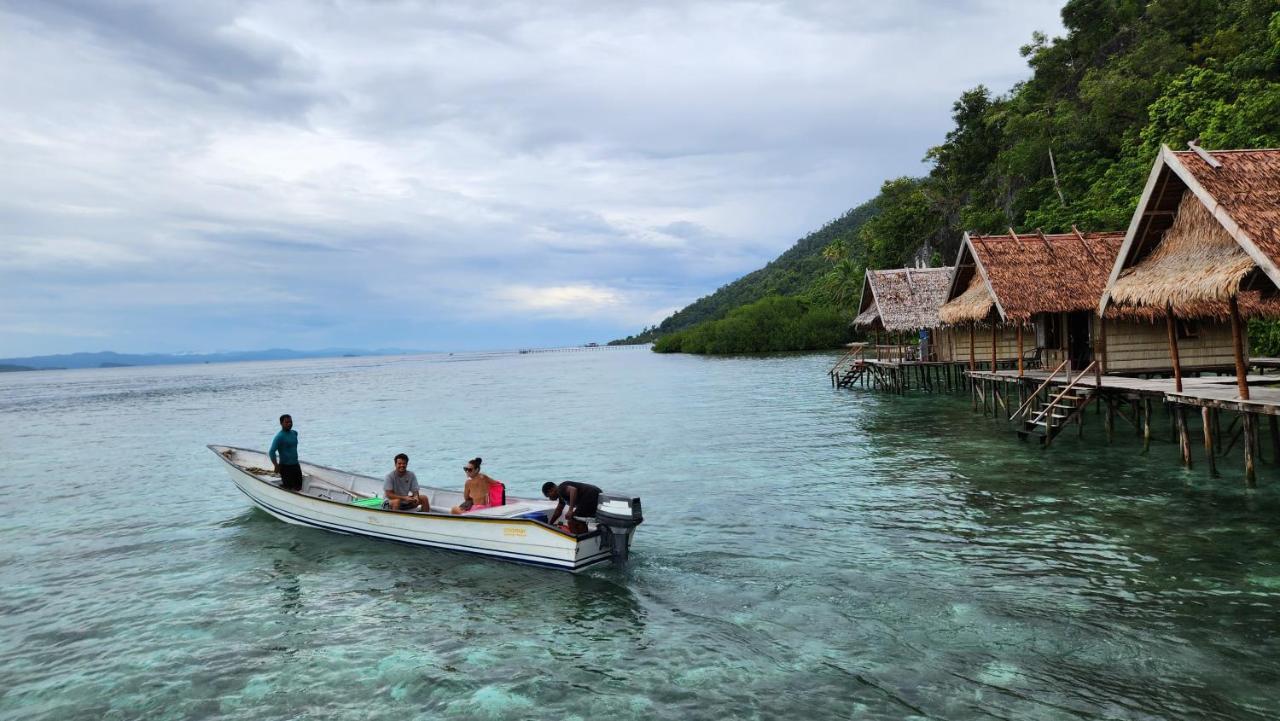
284, 455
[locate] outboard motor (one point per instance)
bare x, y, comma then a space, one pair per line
618, 517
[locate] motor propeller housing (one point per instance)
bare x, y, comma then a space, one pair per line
618, 516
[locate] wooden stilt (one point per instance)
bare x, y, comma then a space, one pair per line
1250, 441
1184, 438
1237, 343
1206, 417
1170, 324
1274, 426
1146, 425
1109, 421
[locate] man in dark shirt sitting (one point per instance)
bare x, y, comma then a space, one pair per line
400, 488
581, 498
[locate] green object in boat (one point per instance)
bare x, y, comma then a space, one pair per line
368, 502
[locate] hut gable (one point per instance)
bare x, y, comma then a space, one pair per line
1029, 273
903, 299
1205, 222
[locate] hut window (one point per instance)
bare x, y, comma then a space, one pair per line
1188, 329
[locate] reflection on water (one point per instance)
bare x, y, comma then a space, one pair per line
831, 554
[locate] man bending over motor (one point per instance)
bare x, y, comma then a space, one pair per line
581, 498
401, 488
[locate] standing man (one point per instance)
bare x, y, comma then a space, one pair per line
581, 498
284, 455
400, 488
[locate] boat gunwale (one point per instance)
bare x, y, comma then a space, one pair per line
399, 514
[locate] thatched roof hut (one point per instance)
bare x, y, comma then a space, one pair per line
1206, 229
902, 299
1010, 278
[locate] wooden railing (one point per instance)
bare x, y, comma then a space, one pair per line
853, 352
1054, 401
896, 353
1031, 398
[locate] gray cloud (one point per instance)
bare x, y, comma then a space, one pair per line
303, 173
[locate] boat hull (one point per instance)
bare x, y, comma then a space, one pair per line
514, 540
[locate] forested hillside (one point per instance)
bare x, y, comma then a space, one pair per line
1074, 142
793, 273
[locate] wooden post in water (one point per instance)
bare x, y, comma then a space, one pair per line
1173, 346
1109, 421
1237, 347
1250, 441
1275, 438
1206, 417
1184, 438
1146, 425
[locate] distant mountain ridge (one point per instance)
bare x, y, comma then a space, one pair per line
110, 359
792, 273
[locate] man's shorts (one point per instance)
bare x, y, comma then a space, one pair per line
588, 505
291, 477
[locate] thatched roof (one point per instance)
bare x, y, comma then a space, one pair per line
1207, 227
869, 318
971, 306
902, 299
1029, 273
1196, 263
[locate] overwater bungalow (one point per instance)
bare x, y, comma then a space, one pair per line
1028, 300
1201, 253
901, 303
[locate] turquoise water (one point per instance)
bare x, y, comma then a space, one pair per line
807, 553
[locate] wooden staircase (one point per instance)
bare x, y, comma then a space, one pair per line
1046, 413
850, 368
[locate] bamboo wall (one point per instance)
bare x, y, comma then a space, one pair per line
1006, 346
1134, 346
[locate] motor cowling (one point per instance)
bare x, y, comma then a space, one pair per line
618, 516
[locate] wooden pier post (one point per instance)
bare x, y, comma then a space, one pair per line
1146, 425
1274, 426
1170, 324
1184, 438
1109, 421
1206, 417
1237, 347
1250, 442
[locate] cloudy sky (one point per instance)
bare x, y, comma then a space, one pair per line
220, 175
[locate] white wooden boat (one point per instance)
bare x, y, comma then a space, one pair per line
517, 531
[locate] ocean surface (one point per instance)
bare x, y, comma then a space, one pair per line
807, 553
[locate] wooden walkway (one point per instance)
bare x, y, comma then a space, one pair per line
1213, 391
1044, 403
1048, 402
